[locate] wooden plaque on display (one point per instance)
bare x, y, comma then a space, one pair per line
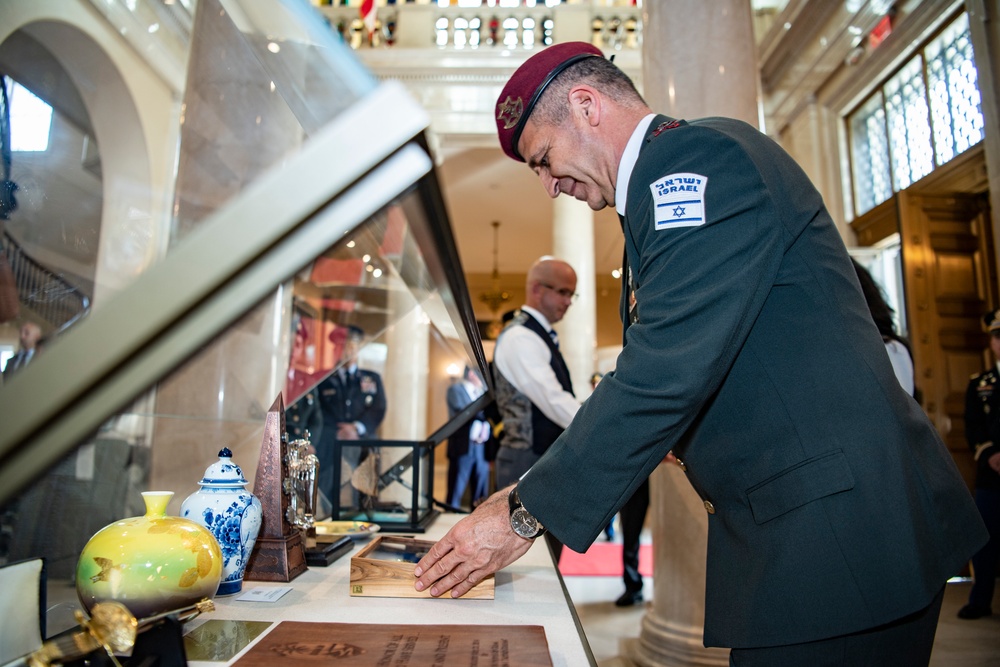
279, 554
384, 569
300, 644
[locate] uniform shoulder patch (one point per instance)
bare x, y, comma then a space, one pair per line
679, 200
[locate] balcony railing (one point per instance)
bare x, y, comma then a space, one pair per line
430, 26
49, 296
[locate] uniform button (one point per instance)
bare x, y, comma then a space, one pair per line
709, 507
681, 464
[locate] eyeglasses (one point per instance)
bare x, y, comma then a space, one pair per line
564, 292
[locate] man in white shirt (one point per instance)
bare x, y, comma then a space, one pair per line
533, 388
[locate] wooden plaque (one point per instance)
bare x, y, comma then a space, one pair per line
384, 569
299, 644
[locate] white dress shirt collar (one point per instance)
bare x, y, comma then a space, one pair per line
628, 161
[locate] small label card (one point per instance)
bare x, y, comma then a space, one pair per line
264, 594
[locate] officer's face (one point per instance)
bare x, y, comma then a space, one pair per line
995, 344
565, 162
555, 294
351, 348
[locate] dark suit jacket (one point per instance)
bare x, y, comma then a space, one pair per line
834, 505
458, 399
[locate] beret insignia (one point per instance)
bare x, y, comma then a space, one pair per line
509, 111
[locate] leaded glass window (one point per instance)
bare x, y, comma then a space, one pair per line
909, 125
924, 115
956, 111
870, 149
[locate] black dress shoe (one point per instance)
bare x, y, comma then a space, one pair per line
974, 611
629, 598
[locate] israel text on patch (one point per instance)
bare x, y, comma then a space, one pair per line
679, 200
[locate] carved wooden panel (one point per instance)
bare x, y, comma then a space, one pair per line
949, 274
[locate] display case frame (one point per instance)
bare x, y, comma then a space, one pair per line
121, 349
251, 247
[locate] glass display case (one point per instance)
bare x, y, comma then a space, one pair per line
244, 223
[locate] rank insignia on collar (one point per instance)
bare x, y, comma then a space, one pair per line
666, 125
509, 111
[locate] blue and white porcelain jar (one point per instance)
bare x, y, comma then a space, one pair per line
231, 513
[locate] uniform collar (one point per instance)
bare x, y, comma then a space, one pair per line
628, 161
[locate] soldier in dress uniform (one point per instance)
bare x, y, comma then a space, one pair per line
352, 403
982, 430
303, 419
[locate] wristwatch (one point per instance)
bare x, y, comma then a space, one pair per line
521, 520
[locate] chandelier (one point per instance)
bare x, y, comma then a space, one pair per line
496, 297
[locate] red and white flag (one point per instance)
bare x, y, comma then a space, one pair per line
368, 16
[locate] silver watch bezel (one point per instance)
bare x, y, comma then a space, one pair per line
523, 522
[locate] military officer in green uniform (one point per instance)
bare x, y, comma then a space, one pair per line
835, 513
982, 431
303, 419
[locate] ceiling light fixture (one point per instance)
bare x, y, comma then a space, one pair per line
496, 297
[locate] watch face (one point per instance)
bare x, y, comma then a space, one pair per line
523, 523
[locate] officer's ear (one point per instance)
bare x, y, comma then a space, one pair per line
585, 104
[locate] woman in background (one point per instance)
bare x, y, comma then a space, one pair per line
897, 346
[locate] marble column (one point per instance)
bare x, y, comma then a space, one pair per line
573, 242
406, 367
702, 65
405, 379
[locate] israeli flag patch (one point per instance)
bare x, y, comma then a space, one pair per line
679, 200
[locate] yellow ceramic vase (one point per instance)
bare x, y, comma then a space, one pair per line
151, 564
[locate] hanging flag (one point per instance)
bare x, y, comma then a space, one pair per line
368, 17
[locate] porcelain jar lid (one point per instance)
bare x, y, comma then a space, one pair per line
223, 472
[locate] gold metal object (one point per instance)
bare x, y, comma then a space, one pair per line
111, 627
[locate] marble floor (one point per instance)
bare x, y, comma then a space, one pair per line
957, 643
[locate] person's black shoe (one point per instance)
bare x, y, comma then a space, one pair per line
973, 611
629, 598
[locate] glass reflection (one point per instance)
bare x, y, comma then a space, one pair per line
246, 112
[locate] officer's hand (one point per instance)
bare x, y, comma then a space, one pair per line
477, 546
670, 458
347, 431
994, 462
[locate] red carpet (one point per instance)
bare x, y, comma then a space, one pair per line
603, 559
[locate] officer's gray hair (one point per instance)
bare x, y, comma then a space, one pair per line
602, 74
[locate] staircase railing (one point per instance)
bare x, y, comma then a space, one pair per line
51, 297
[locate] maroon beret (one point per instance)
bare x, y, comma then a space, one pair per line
519, 96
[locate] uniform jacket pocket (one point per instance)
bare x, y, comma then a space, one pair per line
801, 484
